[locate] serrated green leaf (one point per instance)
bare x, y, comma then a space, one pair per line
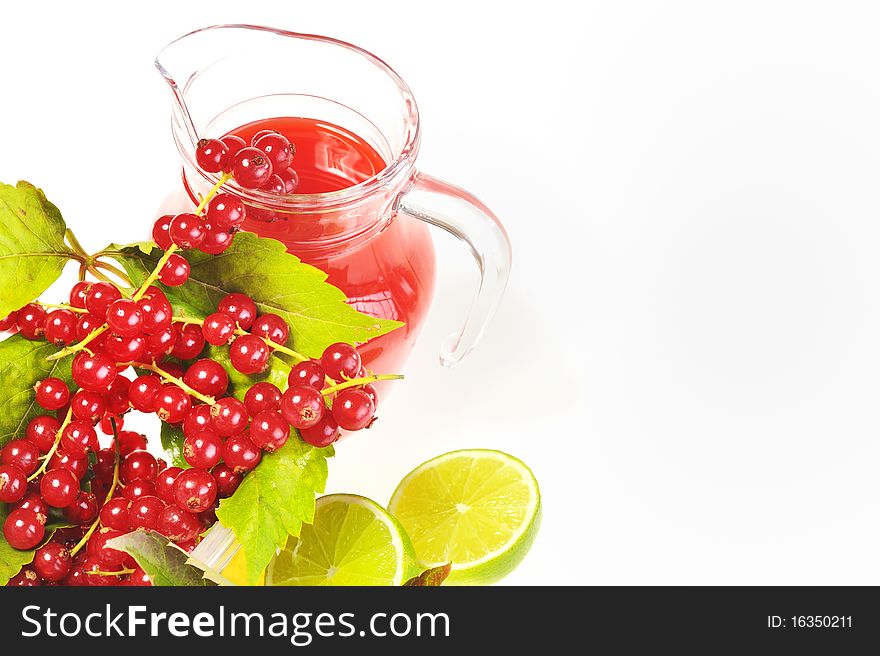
278, 282
275, 500
22, 364
32, 248
165, 563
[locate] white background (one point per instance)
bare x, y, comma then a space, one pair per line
688, 355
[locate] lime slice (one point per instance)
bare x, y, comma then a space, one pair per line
353, 541
478, 509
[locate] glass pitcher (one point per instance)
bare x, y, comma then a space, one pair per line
369, 237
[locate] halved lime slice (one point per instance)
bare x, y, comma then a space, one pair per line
353, 541
478, 509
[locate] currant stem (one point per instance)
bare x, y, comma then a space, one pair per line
113, 486
210, 400
116, 271
79, 346
121, 572
226, 177
62, 306
154, 276
357, 382
48, 456
77, 248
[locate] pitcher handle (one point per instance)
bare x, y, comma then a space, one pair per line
465, 216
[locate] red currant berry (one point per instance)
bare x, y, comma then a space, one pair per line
251, 168
261, 396
241, 454
103, 467
8, 323
216, 240
52, 393
271, 327
290, 179
129, 442
137, 489
59, 487
207, 376
155, 310
302, 406
275, 185
260, 134
26, 578
175, 272
203, 450
52, 562
179, 525
218, 329
370, 391
161, 343
31, 320
277, 149
13, 484
124, 317
189, 342
92, 572
41, 432
353, 409
85, 325
308, 373
94, 373
60, 327
76, 465
341, 361
212, 155
322, 434
99, 298
88, 406
144, 512
97, 549
227, 480
117, 397
269, 431
83, 510
33, 502
165, 483
240, 308
126, 349
24, 529
226, 212
187, 230
138, 465
160, 232
172, 404
78, 294
233, 145
195, 490
143, 392
198, 419
249, 354
22, 454
78, 438
228, 416
114, 514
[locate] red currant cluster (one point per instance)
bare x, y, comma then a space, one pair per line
264, 165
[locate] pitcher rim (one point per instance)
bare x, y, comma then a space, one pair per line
393, 173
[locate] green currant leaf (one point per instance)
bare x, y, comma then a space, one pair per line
165, 563
275, 500
22, 364
430, 577
278, 282
32, 248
